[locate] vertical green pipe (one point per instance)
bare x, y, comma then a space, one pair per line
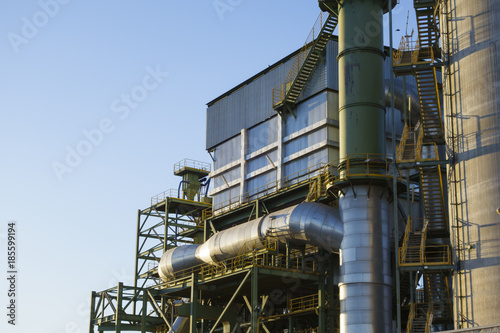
118, 313
144, 310
136, 269
394, 179
93, 311
193, 318
361, 78
322, 293
255, 300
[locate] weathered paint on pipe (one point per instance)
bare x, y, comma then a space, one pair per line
361, 78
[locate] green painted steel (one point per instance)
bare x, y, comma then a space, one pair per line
255, 299
193, 318
361, 78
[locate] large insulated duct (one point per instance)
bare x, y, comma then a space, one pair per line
365, 272
310, 223
472, 108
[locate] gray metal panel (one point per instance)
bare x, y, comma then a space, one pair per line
317, 81
251, 104
332, 51
263, 134
228, 152
245, 107
307, 113
365, 271
307, 161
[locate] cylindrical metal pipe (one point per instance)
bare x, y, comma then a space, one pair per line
365, 272
472, 105
310, 223
365, 266
361, 78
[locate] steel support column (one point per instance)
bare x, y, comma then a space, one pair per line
193, 318
255, 300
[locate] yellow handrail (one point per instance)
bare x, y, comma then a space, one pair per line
423, 240
279, 92
410, 317
430, 318
416, 52
404, 248
265, 257
304, 303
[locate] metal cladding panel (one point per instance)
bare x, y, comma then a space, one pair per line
228, 152
332, 51
472, 108
259, 181
365, 271
251, 103
307, 113
244, 108
317, 82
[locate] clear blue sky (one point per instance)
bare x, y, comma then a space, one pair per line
66, 70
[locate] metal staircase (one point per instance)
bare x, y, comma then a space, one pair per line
420, 318
438, 295
413, 250
433, 199
407, 149
286, 94
427, 22
430, 108
422, 249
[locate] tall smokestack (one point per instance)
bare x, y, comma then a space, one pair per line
365, 273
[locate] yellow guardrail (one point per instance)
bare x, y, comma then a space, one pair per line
171, 193
431, 149
309, 330
260, 258
404, 248
430, 318
416, 51
279, 92
304, 303
355, 165
408, 143
187, 163
268, 189
429, 255
365, 165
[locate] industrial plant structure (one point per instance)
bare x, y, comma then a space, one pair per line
354, 188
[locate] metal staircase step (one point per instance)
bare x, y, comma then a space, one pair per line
290, 90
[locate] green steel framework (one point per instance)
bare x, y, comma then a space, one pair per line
266, 291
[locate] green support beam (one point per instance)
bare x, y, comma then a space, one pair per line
255, 300
193, 318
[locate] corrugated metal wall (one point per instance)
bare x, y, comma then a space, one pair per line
244, 108
251, 104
